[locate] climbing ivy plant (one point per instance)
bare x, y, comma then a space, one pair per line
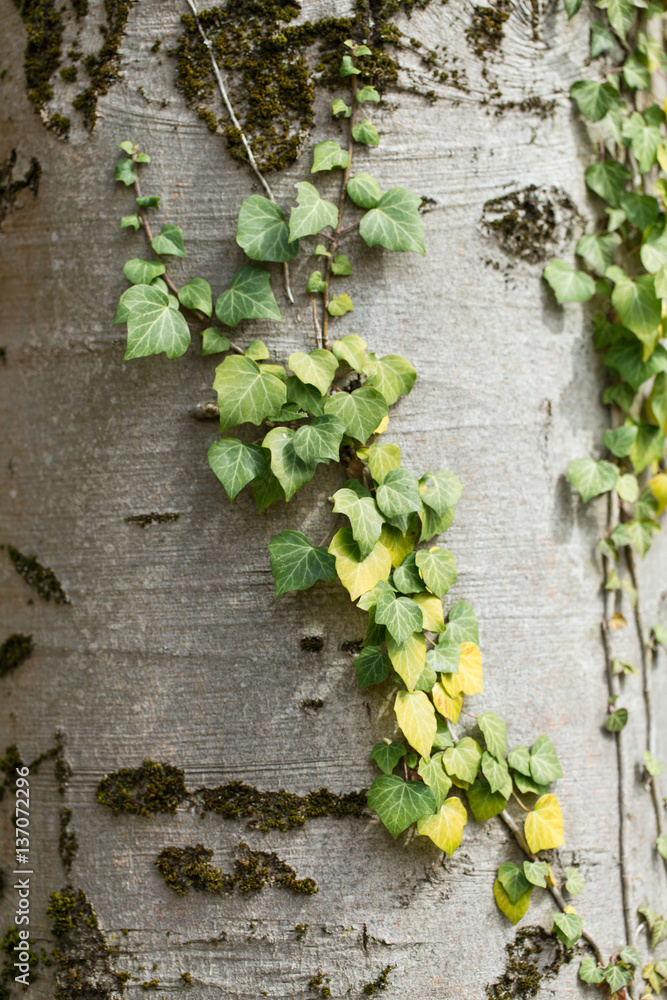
331, 404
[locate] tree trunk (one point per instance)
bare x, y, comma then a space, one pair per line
171, 647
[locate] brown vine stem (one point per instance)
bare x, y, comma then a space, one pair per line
237, 125
555, 892
341, 207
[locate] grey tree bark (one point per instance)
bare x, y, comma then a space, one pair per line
172, 647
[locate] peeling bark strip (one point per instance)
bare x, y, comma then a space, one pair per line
40, 578
160, 788
185, 868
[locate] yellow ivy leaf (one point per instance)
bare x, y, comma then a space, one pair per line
359, 575
514, 911
431, 607
416, 717
617, 621
469, 678
408, 658
658, 487
448, 705
382, 426
445, 828
544, 825
569, 909
398, 545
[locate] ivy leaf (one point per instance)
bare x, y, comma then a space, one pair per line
338, 106
125, 172
399, 493
297, 564
149, 201
401, 616
513, 881
361, 411
513, 911
494, 731
347, 67
416, 717
568, 285
445, 657
661, 846
484, 803
627, 359
316, 368
617, 721
593, 99
445, 828
544, 766
365, 519
608, 179
615, 977
142, 272
169, 241
262, 232
568, 927
364, 190
645, 141
213, 342
130, 220
463, 760
637, 305
621, 14
327, 155
351, 349
571, 7
629, 955
431, 609
366, 132
448, 705
152, 325
589, 972
536, 872
313, 213
590, 478
372, 666
196, 295
358, 574
495, 771
306, 397
573, 882
395, 222
658, 401
320, 440
382, 458
249, 296
443, 738
266, 490
620, 440
408, 658
635, 74
462, 623
641, 209
341, 266
528, 786
598, 251
367, 93
391, 375
387, 755
257, 351
291, 471
654, 249
602, 40
647, 447
652, 764
235, 463
543, 827
400, 803
519, 759
437, 567
247, 393
433, 773
440, 490
338, 305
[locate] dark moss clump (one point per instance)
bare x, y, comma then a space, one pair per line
84, 971
151, 788
533, 105
44, 24
40, 578
255, 869
532, 223
9, 943
279, 810
312, 704
312, 643
487, 28
11, 187
381, 983
68, 842
68, 73
14, 651
320, 983
532, 956
185, 868
353, 646
143, 520
103, 67
8, 765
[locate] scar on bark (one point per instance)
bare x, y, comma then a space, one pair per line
40, 578
11, 186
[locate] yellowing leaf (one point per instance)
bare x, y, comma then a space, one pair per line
469, 678
658, 487
513, 911
398, 545
445, 828
617, 621
408, 658
544, 825
416, 717
359, 575
431, 608
448, 705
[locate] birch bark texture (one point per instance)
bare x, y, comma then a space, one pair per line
172, 646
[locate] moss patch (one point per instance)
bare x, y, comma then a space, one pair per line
11, 186
143, 520
68, 842
84, 970
320, 983
379, 984
151, 788
40, 578
532, 223
532, 957
185, 868
14, 651
9, 943
279, 810
486, 30
103, 67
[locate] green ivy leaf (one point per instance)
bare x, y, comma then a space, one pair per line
443, 738
196, 295
399, 493
262, 231
372, 666
593, 99
365, 520
366, 133
340, 265
338, 106
297, 564
142, 272
406, 576
401, 616
347, 67
361, 411
598, 251
648, 446
169, 241
400, 803
536, 872
444, 658
438, 569
608, 179
257, 351
235, 463
149, 201
652, 764
391, 375
484, 803
660, 634
620, 440
495, 771
544, 766
640, 209
621, 14
367, 93
387, 755
351, 349
573, 882
527, 786
568, 927
440, 490
338, 305
591, 478
661, 846
637, 305
462, 623
514, 912
249, 296
132, 220
395, 222
246, 392
645, 141
320, 440
616, 977
568, 285
626, 359
152, 325
571, 7
494, 731
433, 773
213, 342
266, 490
316, 368
602, 40
327, 155
125, 172
127, 147
617, 721
462, 760
291, 471
313, 213
364, 190
589, 972
636, 74
408, 658
513, 881
382, 458
434, 524
629, 955
519, 759
306, 397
